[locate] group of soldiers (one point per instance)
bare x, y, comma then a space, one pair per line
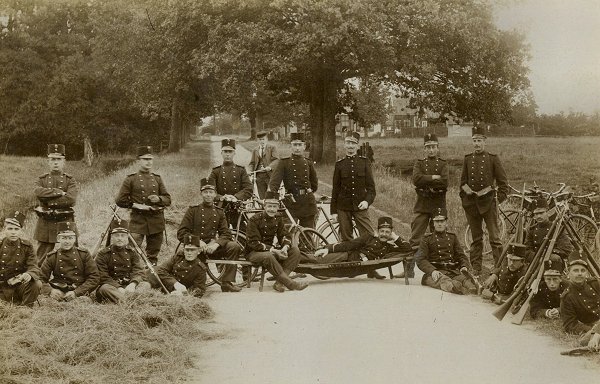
70, 271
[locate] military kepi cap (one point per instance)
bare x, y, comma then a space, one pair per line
440, 214
552, 266
66, 228
228, 144
576, 258
478, 131
296, 136
261, 134
119, 226
205, 184
385, 222
430, 139
539, 204
16, 218
272, 197
144, 151
191, 241
516, 251
56, 150
352, 136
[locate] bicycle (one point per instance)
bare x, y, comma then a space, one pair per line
330, 228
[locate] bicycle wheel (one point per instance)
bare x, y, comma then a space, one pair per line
309, 241
216, 271
586, 229
331, 232
487, 248
512, 202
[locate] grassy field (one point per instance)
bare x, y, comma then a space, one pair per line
145, 339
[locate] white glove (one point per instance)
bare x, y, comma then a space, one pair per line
130, 287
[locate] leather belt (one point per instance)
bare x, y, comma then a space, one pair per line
303, 191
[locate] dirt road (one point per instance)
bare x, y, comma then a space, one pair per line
365, 331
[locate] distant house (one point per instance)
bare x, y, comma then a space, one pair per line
405, 118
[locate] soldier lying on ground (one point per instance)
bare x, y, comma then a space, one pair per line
546, 302
121, 268
280, 261
385, 244
70, 271
501, 282
442, 259
19, 272
536, 234
580, 303
209, 223
184, 273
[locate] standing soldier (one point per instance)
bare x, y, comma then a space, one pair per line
300, 179
209, 223
74, 272
56, 192
231, 181
19, 272
430, 178
483, 185
262, 159
353, 190
145, 193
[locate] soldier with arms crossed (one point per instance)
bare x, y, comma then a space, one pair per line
145, 194
56, 192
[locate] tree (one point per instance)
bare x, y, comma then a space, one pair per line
369, 104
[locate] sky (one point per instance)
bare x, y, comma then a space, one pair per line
564, 36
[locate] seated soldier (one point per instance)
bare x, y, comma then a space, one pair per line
70, 271
207, 222
501, 282
184, 273
546, 302
19, 272
442, 259
580, 303
537, 233
261, 230
384, 244
121, 268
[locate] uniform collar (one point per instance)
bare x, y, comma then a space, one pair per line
56, 173
208, 205
227, 163
144, 172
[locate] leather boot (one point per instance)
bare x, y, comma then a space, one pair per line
278, 287
290, 284
228, 287
375, 275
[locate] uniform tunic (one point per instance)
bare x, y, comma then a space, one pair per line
262, 230
16, 258
507, 279
300, 179
441, 251
580, 306
431, 194
482, 170
192, 274
135, 189
545, 299
352, 183
73, 267
231, 179
370, 246
535, 237
49, 190
119, 266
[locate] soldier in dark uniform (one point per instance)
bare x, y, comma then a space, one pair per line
145, 194
121, 268
209, 223
546, 302
353, 190
482, 173
442, 259
537, 232
384, 244
300, 179
70, 271
580, 303
57, 193
280, 260
501, 282
430, 178
262, 159
184, 272
19, 272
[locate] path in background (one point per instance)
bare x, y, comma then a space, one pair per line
365, 331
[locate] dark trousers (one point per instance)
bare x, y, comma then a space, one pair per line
274, 266
153, 243
446, 283
475, 220
21, 294
42, 250
418, 227
262, 183
362, 220
230, 251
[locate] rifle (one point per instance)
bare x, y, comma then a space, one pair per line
517, 318
581, 246
503, 309
104, 235
142, 254
518, 235
578, 351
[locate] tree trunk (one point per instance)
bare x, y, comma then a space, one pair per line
323, 108
175, 132
236, 122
